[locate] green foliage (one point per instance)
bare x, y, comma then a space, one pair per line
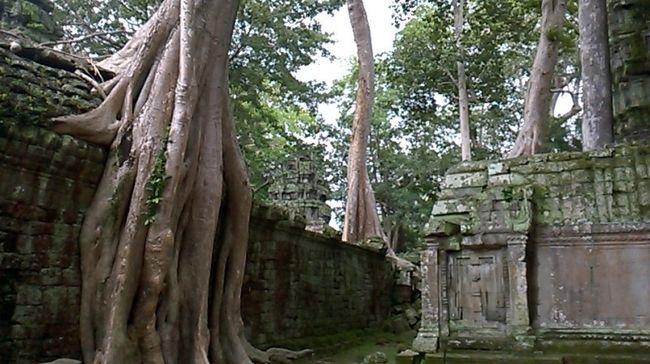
271, 41
113, 21
553, 34
156, 183
498, 52
278, 135
499, 39
403, 168
274, 111
415, 122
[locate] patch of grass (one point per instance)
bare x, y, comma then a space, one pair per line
353, 353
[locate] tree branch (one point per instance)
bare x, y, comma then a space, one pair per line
571, 113
82, 38
574, 96
92, 81
575, 108
241, 45
451, 77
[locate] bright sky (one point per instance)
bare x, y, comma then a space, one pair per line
343, 48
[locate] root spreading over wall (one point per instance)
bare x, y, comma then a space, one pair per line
164, 242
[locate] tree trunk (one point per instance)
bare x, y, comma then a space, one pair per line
361, 219
597, 120
163, 244
538, 97
463, 99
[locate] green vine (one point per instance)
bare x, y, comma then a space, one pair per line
156, 182
553, 34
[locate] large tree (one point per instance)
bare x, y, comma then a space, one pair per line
538, 96
597, 121
461, 81
273, 109
361, 219
163, 244
497, 54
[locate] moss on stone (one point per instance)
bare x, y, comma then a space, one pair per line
608, 185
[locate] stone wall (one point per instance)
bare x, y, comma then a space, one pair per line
32, 18
629, 31
532, 253
303, 284
605, 186
47, 181
298, 283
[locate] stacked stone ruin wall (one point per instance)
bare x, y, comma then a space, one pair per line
629, 31
297, 284
304, 284
587, 219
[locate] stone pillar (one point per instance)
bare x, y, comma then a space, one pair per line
427, 339
518, 317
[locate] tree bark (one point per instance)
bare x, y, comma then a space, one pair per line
361, 218
597, 119
538, 96
463, 99
163, 244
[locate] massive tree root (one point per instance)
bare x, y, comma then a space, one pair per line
163, 245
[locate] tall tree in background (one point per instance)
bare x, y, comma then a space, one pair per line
163, 244
597, 120
361, 218
497, 56
538, 96
463, 99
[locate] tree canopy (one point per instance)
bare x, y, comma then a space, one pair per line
274, 110
414, 127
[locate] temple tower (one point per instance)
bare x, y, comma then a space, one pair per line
301, 188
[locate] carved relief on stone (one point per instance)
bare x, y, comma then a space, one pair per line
478, 286
427, 338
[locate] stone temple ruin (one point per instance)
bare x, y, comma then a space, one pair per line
540, 253
547, 259
534, 260
300, 287
300, 187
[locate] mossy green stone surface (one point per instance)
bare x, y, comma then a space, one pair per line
564, 188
